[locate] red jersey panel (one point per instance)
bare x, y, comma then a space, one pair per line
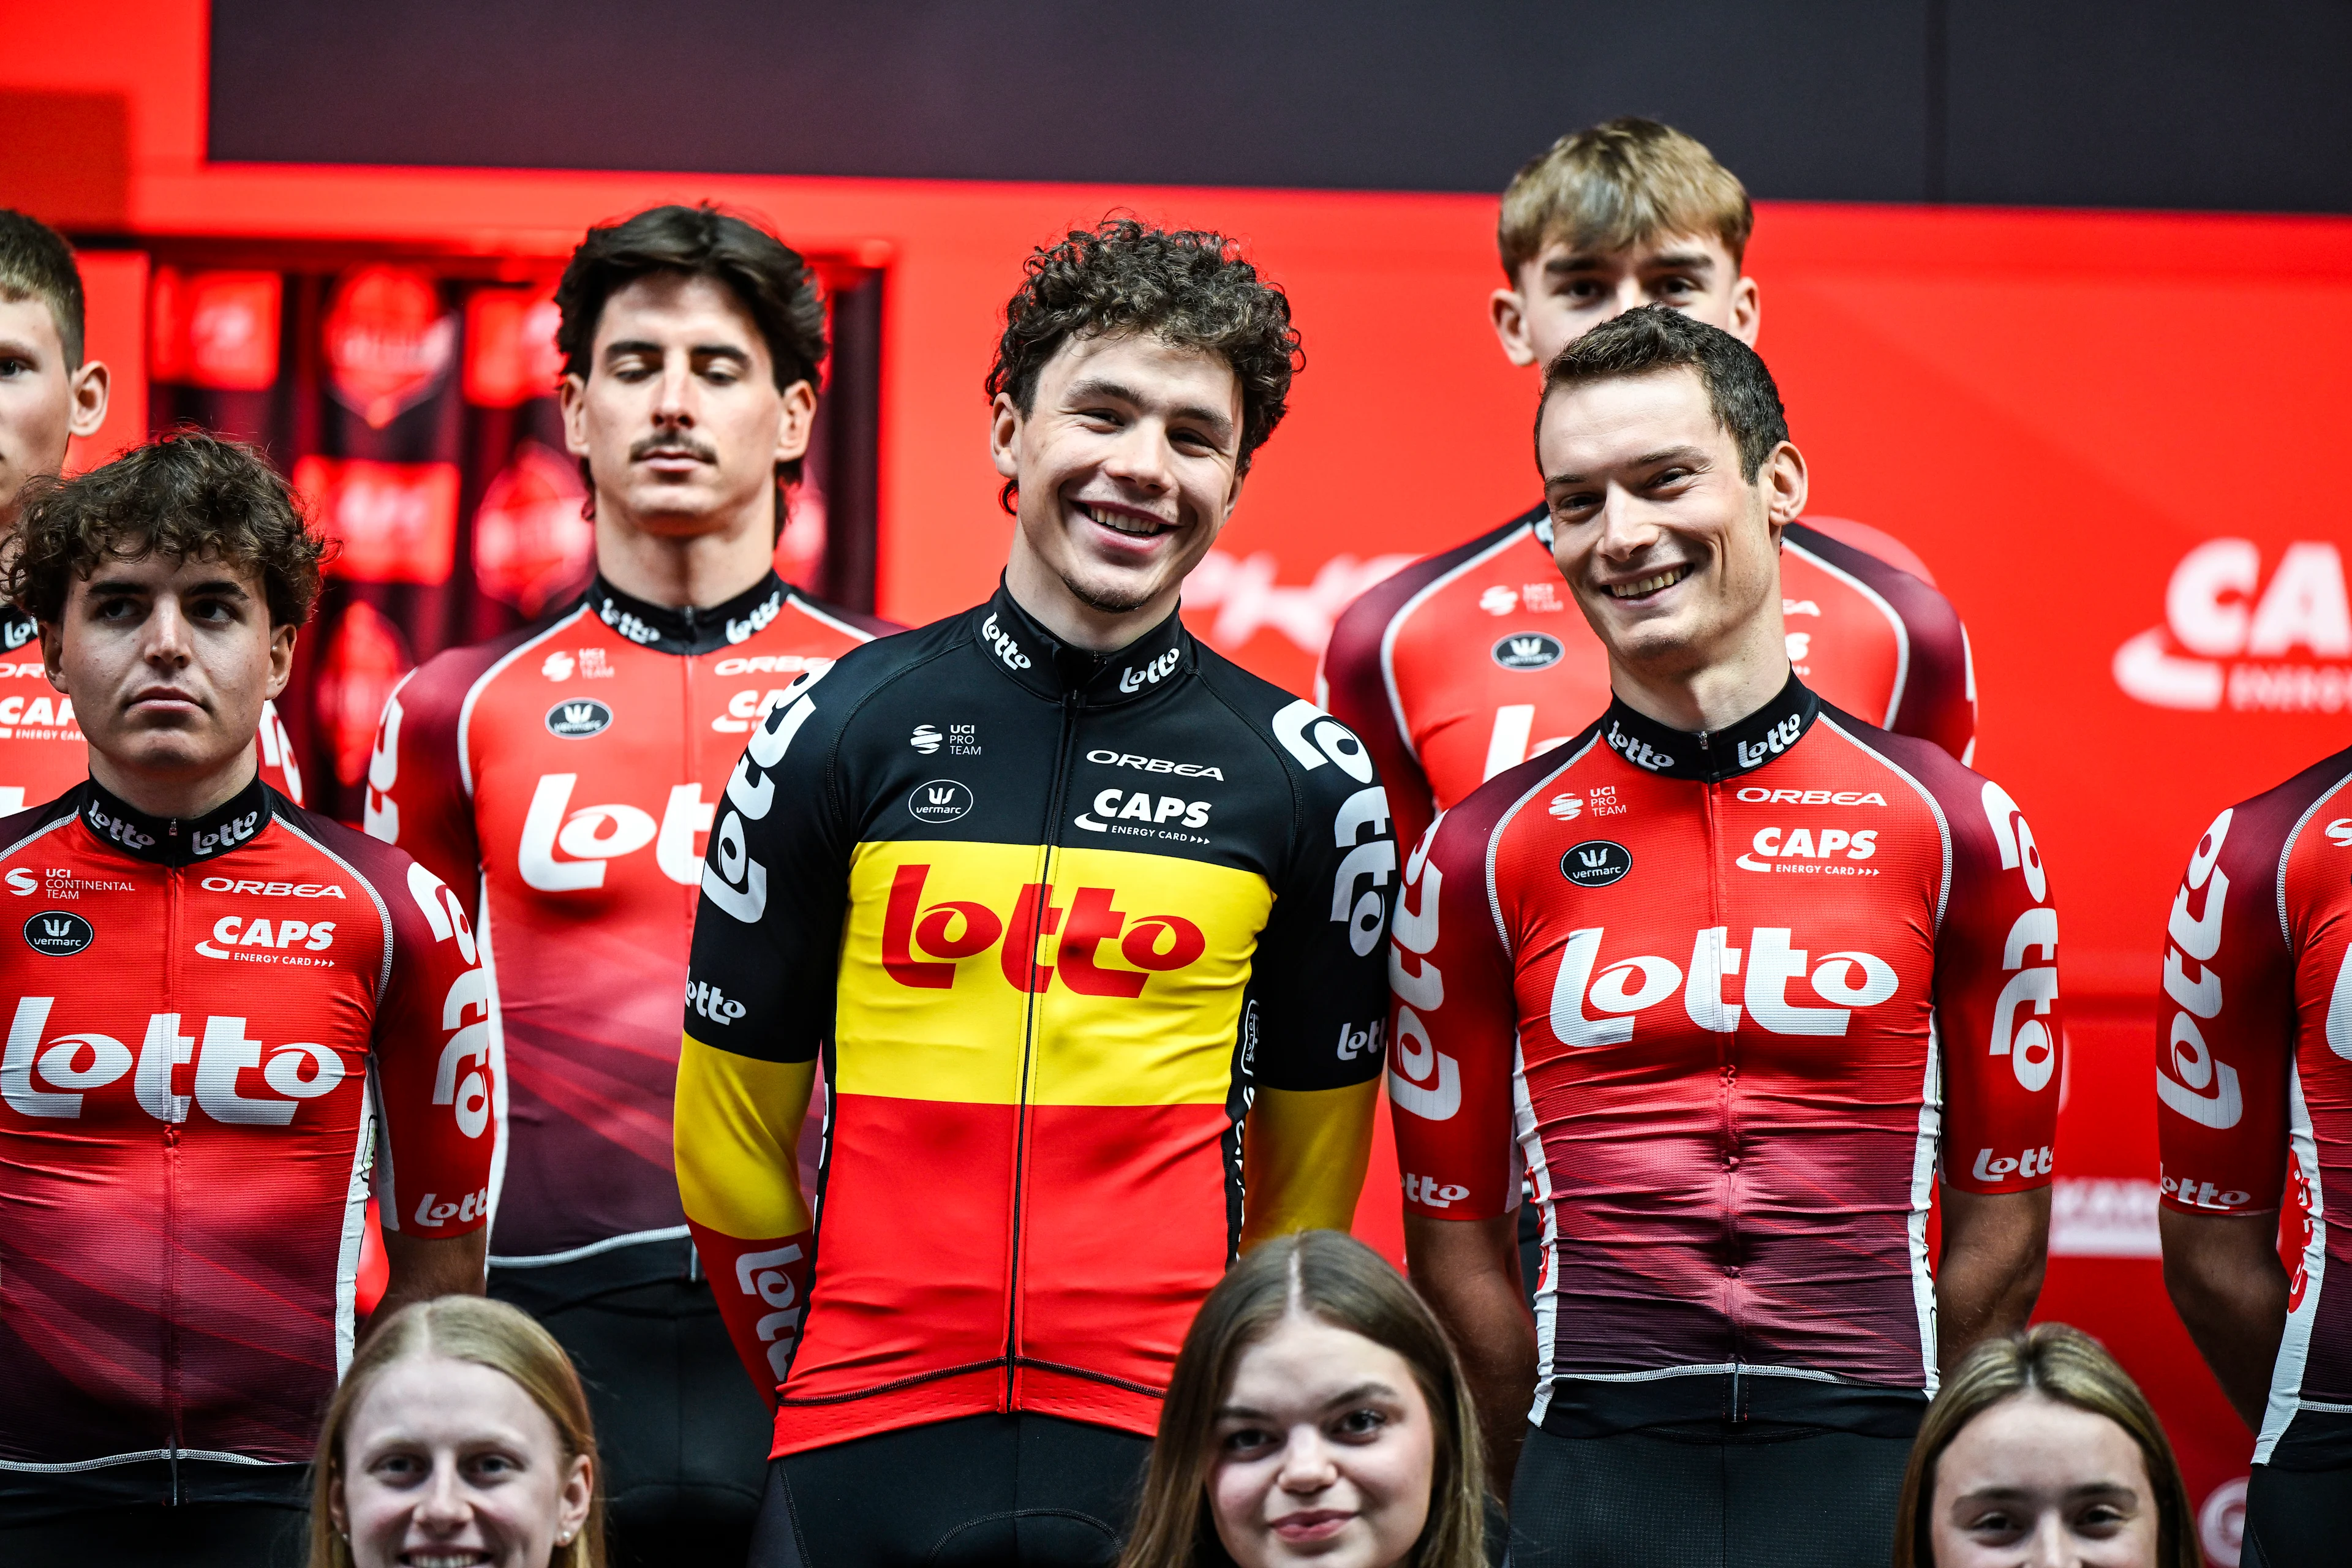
42, 752
205, 1019
2254, 1074
1469, 662
564, 778
1730, 1001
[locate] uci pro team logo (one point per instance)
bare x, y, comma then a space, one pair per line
1596, 863
574, 720
1527, 650
60, 933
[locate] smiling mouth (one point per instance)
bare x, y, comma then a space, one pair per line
1311, 1523
1129, 523
458, 1559
1649, 586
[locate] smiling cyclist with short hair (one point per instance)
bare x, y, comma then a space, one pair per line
1085, 923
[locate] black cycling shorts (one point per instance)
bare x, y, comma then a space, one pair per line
683, 1436
2296, 1518
982, 1491
1753, 1495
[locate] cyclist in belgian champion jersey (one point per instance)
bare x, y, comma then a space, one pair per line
227, 1023
2253, 1084
1085, 923
1733, 979
562, 777
1469, 661
51, 393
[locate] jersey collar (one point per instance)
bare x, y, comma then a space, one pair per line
1053, 669
174, 840
687, 630
1710, 756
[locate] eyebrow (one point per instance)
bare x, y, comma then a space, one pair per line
1646, 460
1216, 419
1593, 262
1373, 1389
2088, 1489
219, 587
18, 348
706, 350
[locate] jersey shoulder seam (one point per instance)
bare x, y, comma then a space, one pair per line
481, 683
1493, 848
1830, 717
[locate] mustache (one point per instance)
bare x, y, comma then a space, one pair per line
669, 443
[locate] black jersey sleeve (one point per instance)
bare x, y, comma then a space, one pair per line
1318, 990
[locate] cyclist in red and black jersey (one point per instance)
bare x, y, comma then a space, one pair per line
228, 1023
50, 394
563, 780
2254, 1083
1734, 979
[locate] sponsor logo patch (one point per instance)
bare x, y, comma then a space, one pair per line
1596, 863
1527, 650
926, 739
942, 800
577, 720
60, 933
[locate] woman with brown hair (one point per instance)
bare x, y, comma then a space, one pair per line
460, 1435
1317, 1414
2041, 1450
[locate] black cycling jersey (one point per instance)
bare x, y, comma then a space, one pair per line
1066, 924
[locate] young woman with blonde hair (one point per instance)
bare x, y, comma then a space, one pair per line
460, 1435
1316, 1414
2041, 1449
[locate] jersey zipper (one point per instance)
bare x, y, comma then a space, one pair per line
173, 1413
1727, 1080
1073, 703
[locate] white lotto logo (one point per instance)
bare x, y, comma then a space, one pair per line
563, 849
761, 1274
2234, 635
1593, 1004
51, 1077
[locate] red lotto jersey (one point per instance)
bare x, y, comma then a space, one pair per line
564, 778
2254, 1074
205, 1020
42, 752
1731, 1003
1467, 663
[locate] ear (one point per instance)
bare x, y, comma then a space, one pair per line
579, 1491
337, 1514
282, 659
1004, 434
1782, 479
798, 422
1747, 309
572, 392
1507, 313
53, 647
88, 389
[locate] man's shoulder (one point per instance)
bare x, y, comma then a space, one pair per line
1365, 624
822, 616
444, 681
19, 828
2281, 820
1319, 752
385, 868
1876, 563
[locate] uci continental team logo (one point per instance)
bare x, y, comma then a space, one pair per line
577, 720
940, 801
60, 933
1596, 863
1527, 650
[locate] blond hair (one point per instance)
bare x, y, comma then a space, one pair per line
2062, 1364
1326, 1274
1617, 184
487, 1333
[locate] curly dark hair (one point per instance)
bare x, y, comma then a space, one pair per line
189, 494
1656, 338
1189, 286
774, 281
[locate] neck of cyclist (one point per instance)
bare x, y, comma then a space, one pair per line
171, 791
1710, 681
688, 559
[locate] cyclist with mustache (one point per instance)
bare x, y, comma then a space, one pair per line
563, 778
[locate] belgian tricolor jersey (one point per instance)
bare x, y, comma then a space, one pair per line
1092, 948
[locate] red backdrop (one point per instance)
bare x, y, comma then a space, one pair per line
2068, 416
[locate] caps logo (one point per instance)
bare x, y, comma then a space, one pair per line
60, 933
1527, 650
578, 718
1596, 863
2231, 638
940, 801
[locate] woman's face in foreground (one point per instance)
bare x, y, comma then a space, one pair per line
450, 1464
2033, 1483
1323, 1452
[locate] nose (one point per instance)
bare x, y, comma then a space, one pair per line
1138, 459
674, 393
1306, 1464
171, 642
443, 1507
1626, 526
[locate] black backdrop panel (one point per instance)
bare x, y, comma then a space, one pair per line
2162, 103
